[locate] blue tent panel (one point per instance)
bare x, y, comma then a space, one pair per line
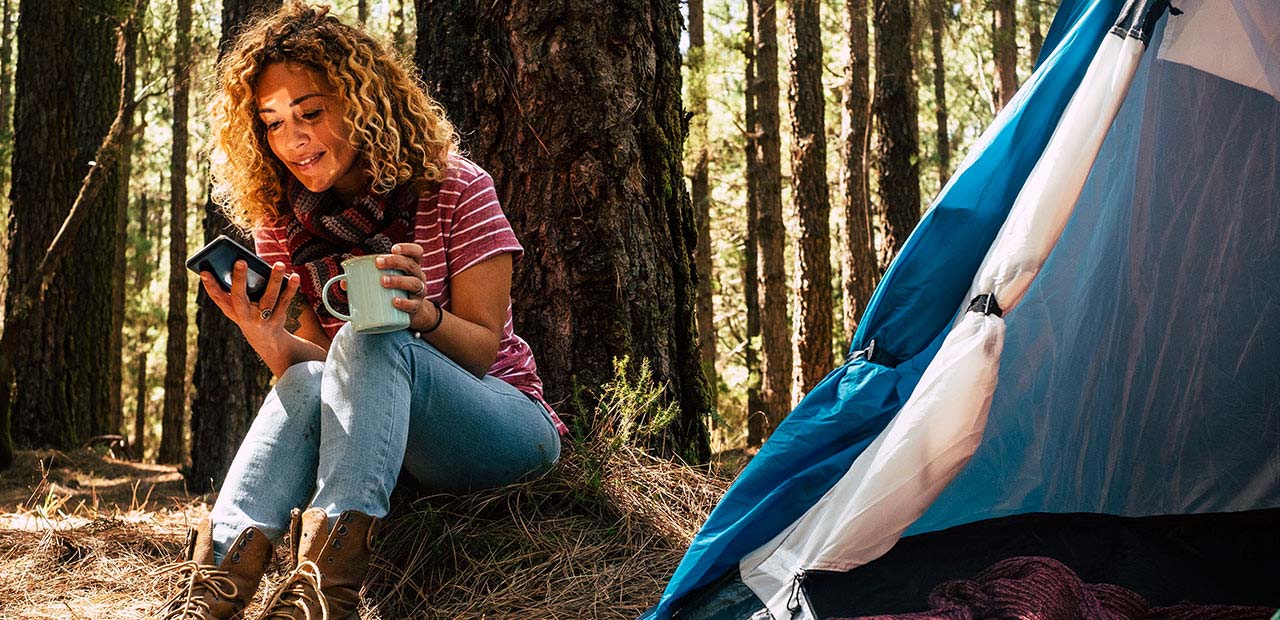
910, 309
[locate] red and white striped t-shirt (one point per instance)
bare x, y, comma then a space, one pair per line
458, 226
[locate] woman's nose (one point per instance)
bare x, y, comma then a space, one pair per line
298, 135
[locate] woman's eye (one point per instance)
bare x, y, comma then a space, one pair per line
271, 126
312, 115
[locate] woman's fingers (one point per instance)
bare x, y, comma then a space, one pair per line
239, 286
414, 286
220, 298
271, 294
412, 306
405, 264
411, 250
292, 283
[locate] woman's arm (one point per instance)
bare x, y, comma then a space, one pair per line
470, 332
278, 346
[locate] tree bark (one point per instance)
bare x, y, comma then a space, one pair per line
362, 11
67, 98
6, 90
757, 422
141, 275
230, 381
1004, 48
861, 270
937, 26
32, 287
701, 194
1036, 38
574, 107
120, 270
400, 37
809, 182
775, 323
172, 420
894, 111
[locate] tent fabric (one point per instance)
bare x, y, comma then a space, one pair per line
1147, 338
1253, 24
913, 305
1150, 337
896, 479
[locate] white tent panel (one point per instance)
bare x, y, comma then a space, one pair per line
931, 439
1237, 40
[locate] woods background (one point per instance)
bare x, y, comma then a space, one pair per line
711, 189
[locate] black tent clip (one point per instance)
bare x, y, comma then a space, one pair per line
874, 354
986, 304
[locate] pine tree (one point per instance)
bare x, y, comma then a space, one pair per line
894, 110
1004, 48
775, 323
809, 182
230, 380
173, 427
757, 420
861, 270
701, 194
590, 176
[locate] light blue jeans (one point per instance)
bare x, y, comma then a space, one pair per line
334, 434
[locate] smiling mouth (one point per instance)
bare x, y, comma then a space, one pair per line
308, 161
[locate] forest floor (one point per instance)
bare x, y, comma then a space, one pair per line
597, 537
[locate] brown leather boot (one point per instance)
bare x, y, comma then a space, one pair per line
331, 559
221, 592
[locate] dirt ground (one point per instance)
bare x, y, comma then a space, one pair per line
81, 535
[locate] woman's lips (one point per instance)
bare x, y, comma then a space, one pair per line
308, 162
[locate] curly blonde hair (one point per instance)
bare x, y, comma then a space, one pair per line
400, 133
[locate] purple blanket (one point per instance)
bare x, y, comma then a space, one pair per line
1045, 589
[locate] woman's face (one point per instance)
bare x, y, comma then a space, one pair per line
306, 130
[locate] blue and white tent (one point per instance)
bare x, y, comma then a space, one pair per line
1087, 319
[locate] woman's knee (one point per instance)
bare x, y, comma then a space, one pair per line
295, 399
354, 350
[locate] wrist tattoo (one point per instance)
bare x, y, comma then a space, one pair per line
295, 310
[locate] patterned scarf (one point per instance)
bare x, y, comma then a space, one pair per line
322, 233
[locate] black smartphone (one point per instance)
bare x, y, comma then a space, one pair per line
219, 258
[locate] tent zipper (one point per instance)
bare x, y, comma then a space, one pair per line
793, 601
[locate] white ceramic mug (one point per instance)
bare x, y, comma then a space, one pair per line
370, 303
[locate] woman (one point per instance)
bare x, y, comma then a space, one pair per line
326, 148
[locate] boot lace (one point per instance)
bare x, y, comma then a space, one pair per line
189, 601
293, 594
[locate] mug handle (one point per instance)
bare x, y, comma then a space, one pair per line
324, 296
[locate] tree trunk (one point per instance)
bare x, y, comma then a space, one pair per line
140, 402
757, 422
120, 269
230, 381
141, 275
1036, 39
6, 90
701, 194
362, 11
1004, 47
172, 420
775, 324
894, 110
861, 271
809, 182
937, 26
574, 107
67, 100
400, 37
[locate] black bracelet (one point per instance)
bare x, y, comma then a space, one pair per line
439, 319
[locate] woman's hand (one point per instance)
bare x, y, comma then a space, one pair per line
259, 319
263, 323
407, 258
